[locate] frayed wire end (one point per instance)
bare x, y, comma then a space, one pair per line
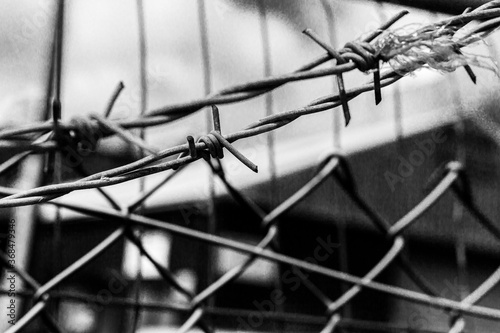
409, 49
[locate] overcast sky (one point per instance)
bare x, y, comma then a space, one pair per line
100, 50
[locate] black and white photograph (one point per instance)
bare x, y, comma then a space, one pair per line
250, 166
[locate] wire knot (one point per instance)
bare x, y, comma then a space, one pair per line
85, 134
213, 145
215, 142
363, 54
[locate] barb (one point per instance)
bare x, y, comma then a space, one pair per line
340, 79
119, 88
122, 133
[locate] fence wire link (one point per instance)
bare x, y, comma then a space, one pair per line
52, 136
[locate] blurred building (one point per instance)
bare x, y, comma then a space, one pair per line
424, 121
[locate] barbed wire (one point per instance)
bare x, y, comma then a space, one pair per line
358, 55
140, 167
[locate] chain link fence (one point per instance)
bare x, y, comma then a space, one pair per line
437, 46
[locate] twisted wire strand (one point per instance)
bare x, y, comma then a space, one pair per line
256, 88
111, 177
139, 168
264, 125
272, 82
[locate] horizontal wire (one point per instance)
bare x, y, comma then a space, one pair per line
438, 187
398, 292
131, 171
227, 312
284, 118
251, 131
235, 245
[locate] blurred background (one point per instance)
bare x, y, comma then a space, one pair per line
247, 40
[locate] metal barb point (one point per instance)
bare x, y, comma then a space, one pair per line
340, 78
471, 73
216, 118
377, 85
192, 147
